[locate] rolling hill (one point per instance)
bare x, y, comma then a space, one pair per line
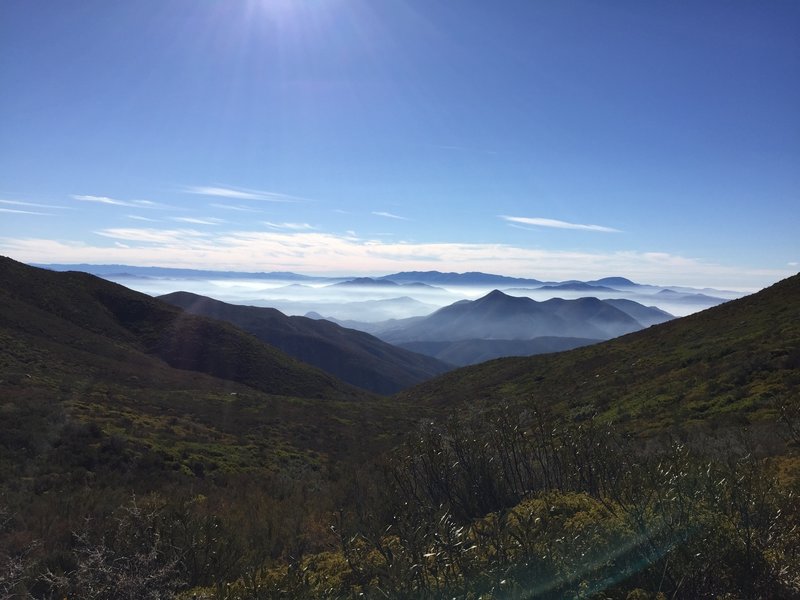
85, 312
730, 363
107, 394
354, 356
174, 388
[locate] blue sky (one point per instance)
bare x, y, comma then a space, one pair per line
556, 140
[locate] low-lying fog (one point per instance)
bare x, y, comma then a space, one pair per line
373, 303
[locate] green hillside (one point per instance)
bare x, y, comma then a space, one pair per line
730, 363
105, 393
147, 453
85, 312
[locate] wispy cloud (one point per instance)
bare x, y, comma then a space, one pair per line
388, 215
32, 204
240, 193
289, 226
141, 218
554, 223
167, 237
25, 212
233, 207
199, 220
117, 202
101, 200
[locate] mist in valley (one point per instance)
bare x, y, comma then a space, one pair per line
340, 300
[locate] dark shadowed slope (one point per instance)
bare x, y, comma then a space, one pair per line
354, 356
85, 313
731, 361
499, 316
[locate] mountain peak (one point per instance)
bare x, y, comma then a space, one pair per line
496, 294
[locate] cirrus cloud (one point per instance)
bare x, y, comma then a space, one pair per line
239, 193
388, 215
556, 224
115, 201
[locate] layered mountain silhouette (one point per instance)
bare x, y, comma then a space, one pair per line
498, 316
353, 356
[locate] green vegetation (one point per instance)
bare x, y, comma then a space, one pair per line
136, 463
725, 366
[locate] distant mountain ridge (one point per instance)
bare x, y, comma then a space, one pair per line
354, 356
499, 316
382, 282
465, 279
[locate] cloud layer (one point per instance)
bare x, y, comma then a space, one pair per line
325, 253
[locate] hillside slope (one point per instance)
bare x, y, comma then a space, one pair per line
78, 308
472, 352
164, 394
354, 356
729, 362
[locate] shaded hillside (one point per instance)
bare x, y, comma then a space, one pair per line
471, 352
84, 304
79, 354
94, 411
733, 360
499, 316
354, 356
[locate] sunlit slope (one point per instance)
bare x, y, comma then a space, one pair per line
733, 360
354, 356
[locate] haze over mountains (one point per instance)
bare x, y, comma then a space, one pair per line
497, 325
354, 356
502, 317
440, 309
394, 296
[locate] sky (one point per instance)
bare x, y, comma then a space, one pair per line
658, 141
